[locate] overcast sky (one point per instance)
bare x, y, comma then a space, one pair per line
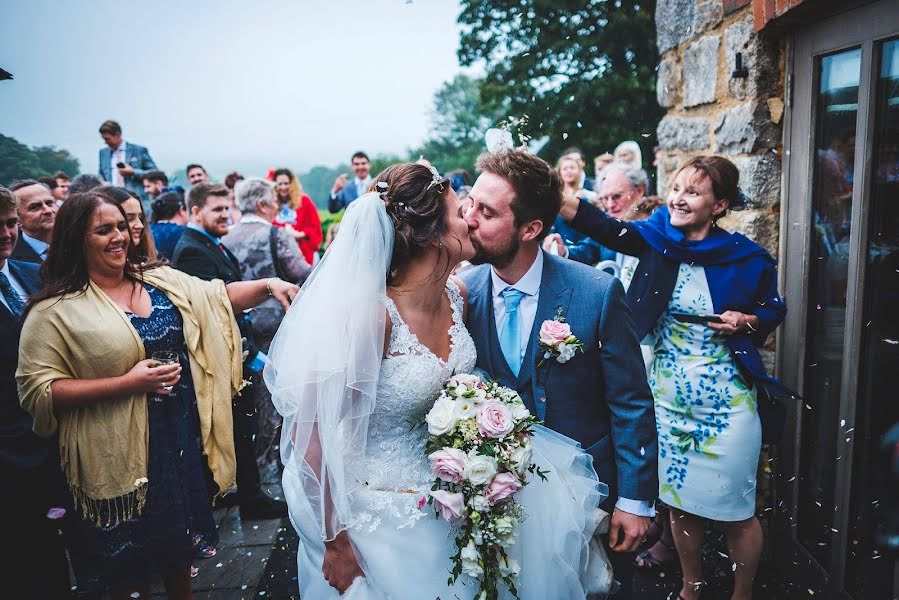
227, 83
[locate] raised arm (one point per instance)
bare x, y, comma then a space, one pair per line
608, 231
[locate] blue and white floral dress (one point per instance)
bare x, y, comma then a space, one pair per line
709, 431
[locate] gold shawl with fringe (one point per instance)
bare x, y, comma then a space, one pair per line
103, 447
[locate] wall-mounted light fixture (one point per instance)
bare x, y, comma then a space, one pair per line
739, 72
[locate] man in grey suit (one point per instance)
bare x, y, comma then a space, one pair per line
124, 163
600, 397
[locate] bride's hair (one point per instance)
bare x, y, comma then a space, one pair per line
416, 202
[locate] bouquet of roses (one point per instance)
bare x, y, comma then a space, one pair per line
480, 447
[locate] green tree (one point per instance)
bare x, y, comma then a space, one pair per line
17, 161
583, 71
53, 159
459, 119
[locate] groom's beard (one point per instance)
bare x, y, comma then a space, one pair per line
498, 257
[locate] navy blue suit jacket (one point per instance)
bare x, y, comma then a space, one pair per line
600, 397
20, 448
344, 197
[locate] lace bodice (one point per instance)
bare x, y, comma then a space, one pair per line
410, 380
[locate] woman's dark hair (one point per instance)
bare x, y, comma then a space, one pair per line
417, 206
146, 249
65, 270
724, 176
166, 205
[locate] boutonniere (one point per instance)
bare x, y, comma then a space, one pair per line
556, 340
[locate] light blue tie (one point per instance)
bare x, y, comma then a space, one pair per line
510, 336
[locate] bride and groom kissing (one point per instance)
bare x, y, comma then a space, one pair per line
381, 326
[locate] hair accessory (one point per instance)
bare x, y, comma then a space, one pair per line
436, 178
382, 185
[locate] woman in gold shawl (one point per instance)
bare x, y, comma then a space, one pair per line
132, 431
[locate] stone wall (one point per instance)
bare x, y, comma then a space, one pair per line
712, 112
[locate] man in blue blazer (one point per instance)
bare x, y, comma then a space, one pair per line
136, 160
600, 397
345, 191
29, 465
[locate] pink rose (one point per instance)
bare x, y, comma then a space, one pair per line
448, 464
450, 504
495, 419
553, 333
502, 487
422, 501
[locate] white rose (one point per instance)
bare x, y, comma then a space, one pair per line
508, 566
504, 525
480, 469
480, 504
478, 395
442, 417
465, 408
566, 352
521, 458
519, 412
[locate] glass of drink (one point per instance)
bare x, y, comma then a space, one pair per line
166, 357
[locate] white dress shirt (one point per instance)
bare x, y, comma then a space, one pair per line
118, 156
14, 283
529, 284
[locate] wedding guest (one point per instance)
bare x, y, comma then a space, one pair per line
84, 183
196, 174
62, 181
577, 154
460, 178
629, 153
264, 251
601, 162
297, 214
707, 418
169, 222
344, 192
145, 248
154, 183
231, 180
123, 163
201, 253
29, 465
37, 213
128, 424
51, 184
563, 239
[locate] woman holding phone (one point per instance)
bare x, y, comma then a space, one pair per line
133, 365
707, 377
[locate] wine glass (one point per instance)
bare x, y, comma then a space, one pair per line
165, 357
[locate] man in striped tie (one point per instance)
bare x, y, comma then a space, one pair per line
29, 467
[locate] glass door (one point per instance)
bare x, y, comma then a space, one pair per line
840, 273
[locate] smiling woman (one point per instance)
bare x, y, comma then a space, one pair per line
145, 248
129, 432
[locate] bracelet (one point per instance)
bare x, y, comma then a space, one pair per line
268, 286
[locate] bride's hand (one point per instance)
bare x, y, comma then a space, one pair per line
340, 566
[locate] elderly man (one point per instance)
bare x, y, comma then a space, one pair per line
264, 251
620, 192
37, 215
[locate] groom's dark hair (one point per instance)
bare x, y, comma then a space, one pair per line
538, 189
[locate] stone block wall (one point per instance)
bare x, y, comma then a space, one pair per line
712, 112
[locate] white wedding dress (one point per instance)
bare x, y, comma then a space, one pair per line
404, 551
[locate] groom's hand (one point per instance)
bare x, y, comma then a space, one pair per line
627, 531
340, 566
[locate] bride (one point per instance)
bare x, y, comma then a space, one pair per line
356, 365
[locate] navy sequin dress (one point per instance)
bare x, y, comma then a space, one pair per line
177, 520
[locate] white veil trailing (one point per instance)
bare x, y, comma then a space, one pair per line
325, 360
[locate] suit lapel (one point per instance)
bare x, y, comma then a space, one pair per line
30, 284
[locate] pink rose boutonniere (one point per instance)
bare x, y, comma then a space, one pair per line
557, 341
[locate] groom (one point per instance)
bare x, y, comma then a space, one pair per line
599, 397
